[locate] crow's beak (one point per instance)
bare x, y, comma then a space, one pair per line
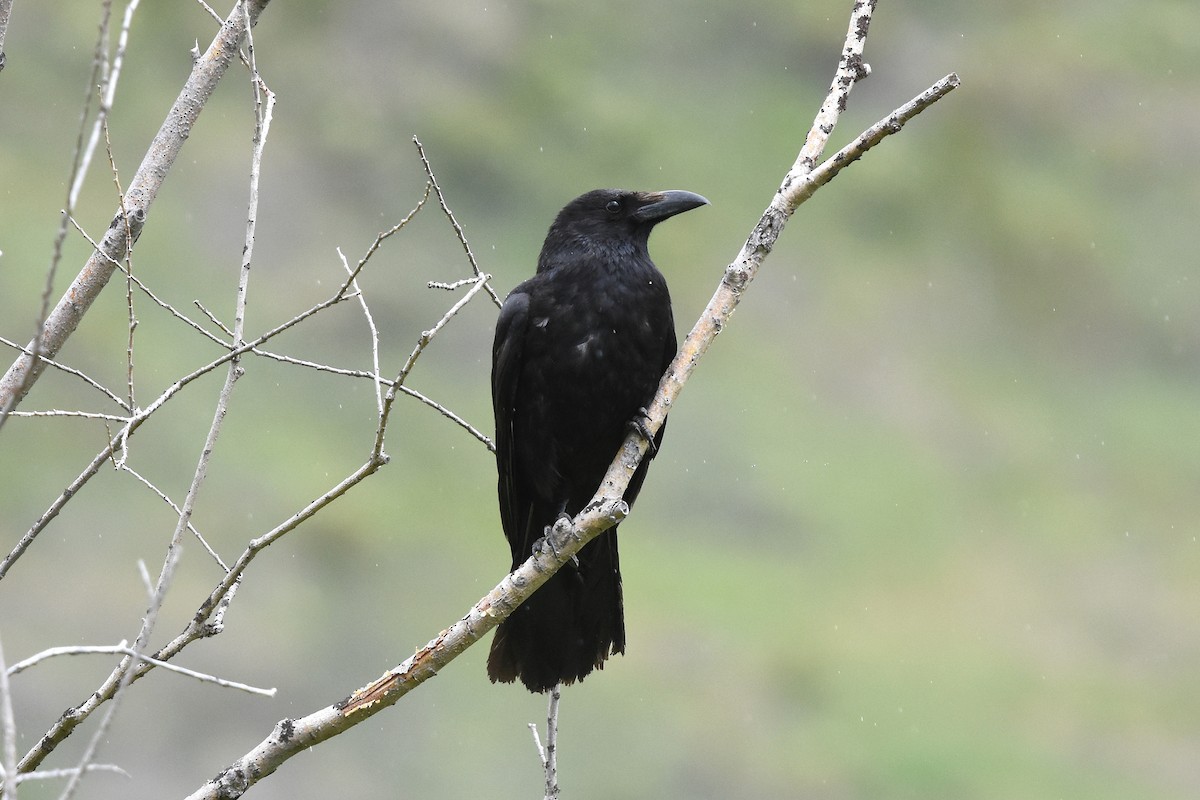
658, 206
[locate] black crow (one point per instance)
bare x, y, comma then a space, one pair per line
579, 351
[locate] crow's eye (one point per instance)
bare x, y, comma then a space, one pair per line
613, 207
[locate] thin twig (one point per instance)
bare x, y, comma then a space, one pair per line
111, 72
163, 304
217, 17
80, 414
423, 341
427, 336
450, 415
8, 734
257, 545
362, 301
191, 528
144, 574
213, 319
383, 382
550, 758
451, 285
462, 237
127, 268
111, 395
537, 742
124, 649
52, 774
208, 619
211, 12
313, 365
390, 232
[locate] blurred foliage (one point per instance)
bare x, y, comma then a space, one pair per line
925, 523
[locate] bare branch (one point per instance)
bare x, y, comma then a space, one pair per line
124, 649
210, 11
313, 365
549, 754
851, 69
51, 774
381, 381
71, 371
61, 413
205, 622
362, 302
208, 620
108, 90
127, 268
385, 235
8, 734
450, 285
801, 190
427, 336
165, 147
214, 320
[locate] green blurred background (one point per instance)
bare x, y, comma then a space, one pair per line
925, 522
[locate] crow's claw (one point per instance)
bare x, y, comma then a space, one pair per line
544, 542
639, 426
547, 538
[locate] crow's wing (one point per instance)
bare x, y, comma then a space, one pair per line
507, 360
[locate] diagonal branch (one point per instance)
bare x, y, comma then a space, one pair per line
293, 736
127, 226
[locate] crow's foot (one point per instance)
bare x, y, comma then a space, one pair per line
547, 539
639, 425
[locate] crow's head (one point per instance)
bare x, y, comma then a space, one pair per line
612, 219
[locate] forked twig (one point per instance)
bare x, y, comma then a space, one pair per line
548, 755
462, 236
